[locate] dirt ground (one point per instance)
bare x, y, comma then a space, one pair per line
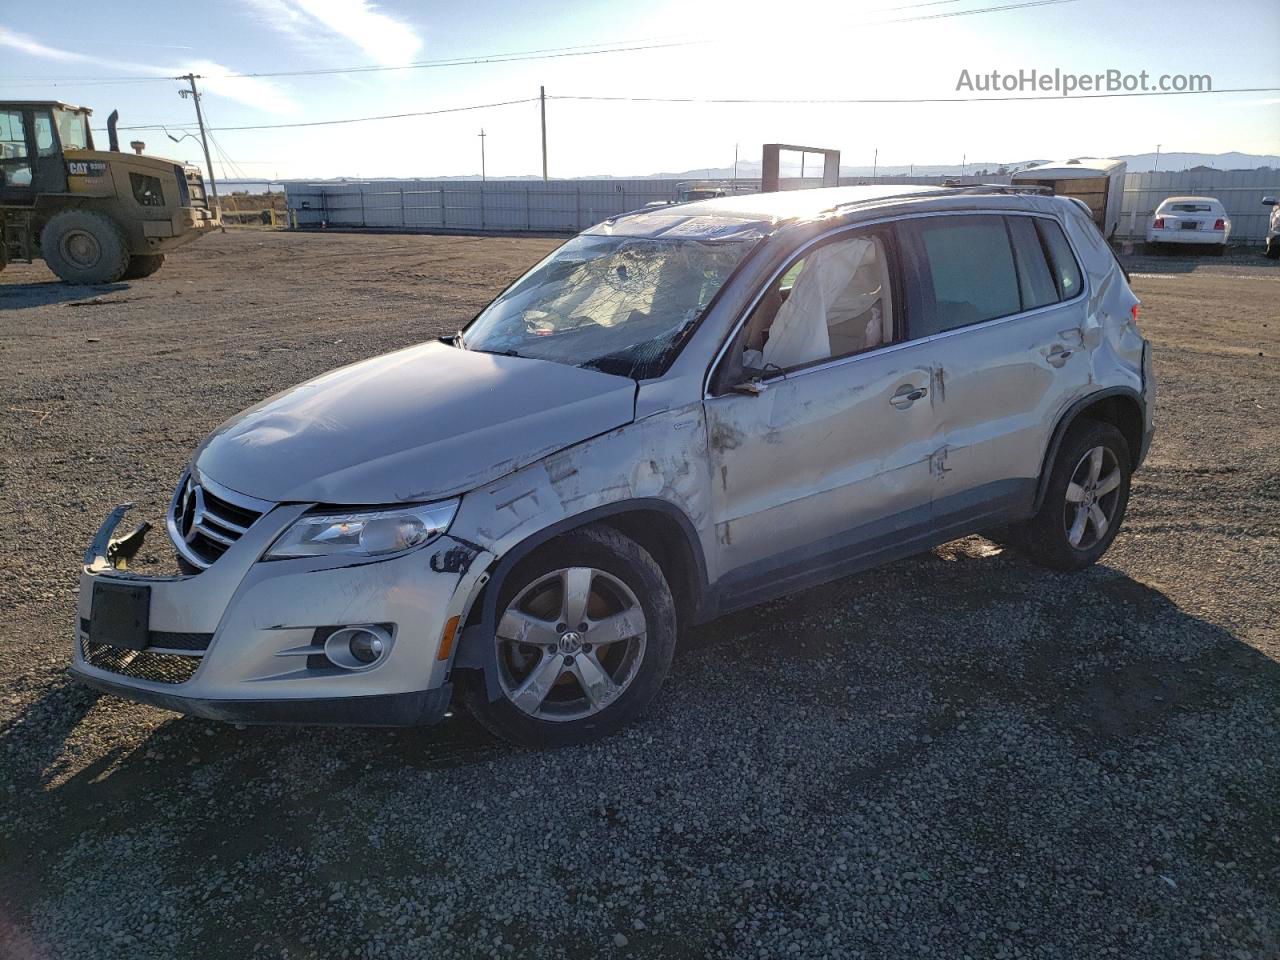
961, 755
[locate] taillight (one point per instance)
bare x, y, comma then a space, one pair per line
1134, 313
1220, 224
1159, 223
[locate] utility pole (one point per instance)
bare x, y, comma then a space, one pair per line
204, 139
1156, 166
482, 135
735, 167
542, 100
875, 163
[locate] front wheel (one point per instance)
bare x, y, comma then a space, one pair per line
586, 627
82, 246
1085, 501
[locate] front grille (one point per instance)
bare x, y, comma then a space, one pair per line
195, 189
156, 667
203, 523
168, 640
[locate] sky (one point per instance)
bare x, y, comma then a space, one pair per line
120, 55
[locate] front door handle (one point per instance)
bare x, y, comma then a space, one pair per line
908, 394
1059, 355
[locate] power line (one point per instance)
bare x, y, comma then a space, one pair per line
326, 123
710, 100
855, 100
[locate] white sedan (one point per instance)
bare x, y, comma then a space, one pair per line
1200, 220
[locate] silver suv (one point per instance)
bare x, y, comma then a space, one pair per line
681, 412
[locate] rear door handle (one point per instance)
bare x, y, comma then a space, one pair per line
907, 394
1059, 355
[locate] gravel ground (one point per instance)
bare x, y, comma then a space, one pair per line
959, 755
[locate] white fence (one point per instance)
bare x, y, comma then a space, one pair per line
568, 206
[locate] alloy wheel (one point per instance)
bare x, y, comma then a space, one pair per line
570, 643
1092, 496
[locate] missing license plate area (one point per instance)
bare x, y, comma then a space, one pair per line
121, 615
1190, 226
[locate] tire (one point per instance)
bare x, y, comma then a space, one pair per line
544, 701
1047, 538
81, 246
1273, 248
142, 265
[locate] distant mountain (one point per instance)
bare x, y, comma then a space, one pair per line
750, 169
1146, 162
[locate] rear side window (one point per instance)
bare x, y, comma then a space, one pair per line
1035, 281
966, 272
1066, 272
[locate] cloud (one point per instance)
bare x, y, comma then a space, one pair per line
253, 91
383, 38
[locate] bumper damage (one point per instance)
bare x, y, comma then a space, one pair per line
245, 639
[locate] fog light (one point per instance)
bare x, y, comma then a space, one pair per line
365, 647
358, 648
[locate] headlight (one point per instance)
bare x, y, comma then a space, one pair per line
367, 533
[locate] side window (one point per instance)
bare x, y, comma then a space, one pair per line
1035, 282
835, 301
1066, 272
965, 267
45, 144
15, 164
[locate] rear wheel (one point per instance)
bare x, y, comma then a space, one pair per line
585, 633
1085, 501
142, 265
82, 246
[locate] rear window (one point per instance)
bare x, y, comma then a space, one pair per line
1035, 280
1066, 271
1192, 208
967, 272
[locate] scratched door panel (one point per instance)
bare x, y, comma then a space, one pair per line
821, 453
1001, 388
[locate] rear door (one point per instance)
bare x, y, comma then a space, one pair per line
825, 457
1002, 303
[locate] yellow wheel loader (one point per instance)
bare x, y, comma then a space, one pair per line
94, 216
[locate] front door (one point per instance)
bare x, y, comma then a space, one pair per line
825, 455
16, 161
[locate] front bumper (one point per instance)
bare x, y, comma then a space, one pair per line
243, 640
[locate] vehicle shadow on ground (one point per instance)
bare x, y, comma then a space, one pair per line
1105, 660
20, 296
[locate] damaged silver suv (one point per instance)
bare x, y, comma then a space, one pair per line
681, 412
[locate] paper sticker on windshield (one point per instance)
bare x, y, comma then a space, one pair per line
87, 168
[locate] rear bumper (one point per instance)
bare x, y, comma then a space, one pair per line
419, 708
1197, 237
182, 227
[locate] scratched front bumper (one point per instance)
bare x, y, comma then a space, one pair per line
259, 621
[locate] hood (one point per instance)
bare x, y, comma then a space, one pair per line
423, 423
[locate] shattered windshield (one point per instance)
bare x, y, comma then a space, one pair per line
616, 304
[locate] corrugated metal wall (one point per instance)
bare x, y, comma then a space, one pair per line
514, 205
569, 206
1241, 192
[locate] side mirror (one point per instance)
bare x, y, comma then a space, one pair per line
1270, 202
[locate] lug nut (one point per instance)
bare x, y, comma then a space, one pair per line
568, 660
582, 628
